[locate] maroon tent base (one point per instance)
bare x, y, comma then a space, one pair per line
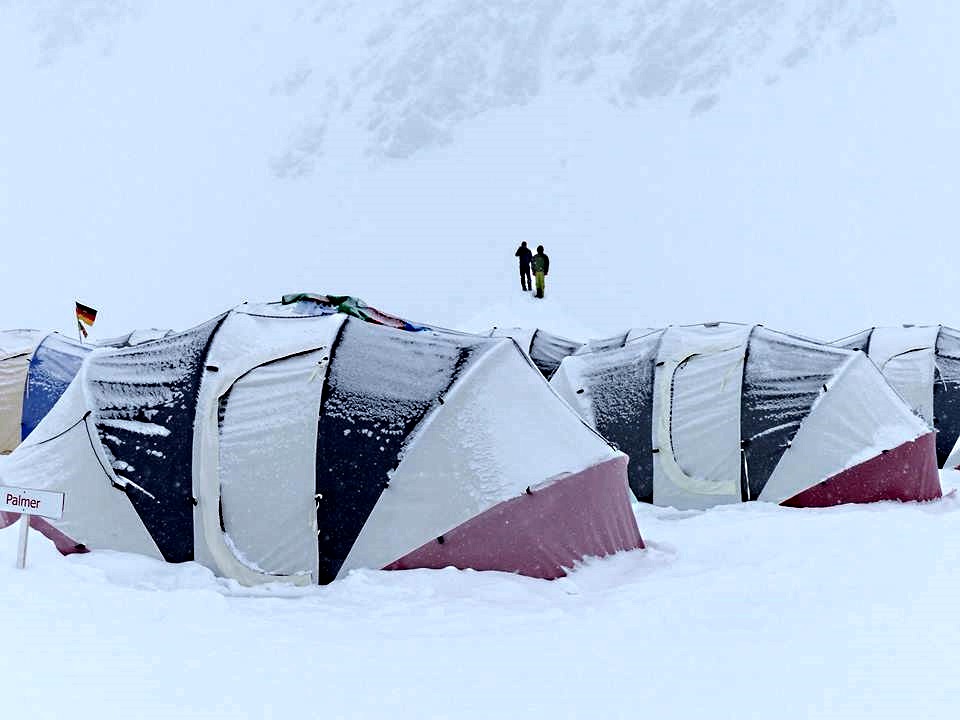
907, 472
66, 545
544, 532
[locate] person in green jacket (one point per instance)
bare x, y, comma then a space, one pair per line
541, 268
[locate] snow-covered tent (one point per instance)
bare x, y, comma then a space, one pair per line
723, 413
545, 349
922, 363
16, 348
293, 442
55, 362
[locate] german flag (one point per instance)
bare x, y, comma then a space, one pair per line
86, 316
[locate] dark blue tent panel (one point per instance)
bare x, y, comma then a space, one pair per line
146, 398
53, 366
381, 384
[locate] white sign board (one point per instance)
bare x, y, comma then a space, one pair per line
31, 502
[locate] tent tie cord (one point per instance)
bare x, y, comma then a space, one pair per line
745, 490
127, 484
64, 432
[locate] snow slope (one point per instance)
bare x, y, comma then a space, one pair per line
750, 611
789, 162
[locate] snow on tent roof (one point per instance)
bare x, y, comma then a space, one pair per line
135, 337
922, 363
722, 413
544, 349
384, 448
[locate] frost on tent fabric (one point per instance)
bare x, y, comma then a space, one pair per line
740, 413
922, 363
289, 442
608, 392
144, 399
56, 361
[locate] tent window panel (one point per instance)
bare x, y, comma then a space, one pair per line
381, 384
268, 476
704, 418
621, 390
910, 374
783, 377
145, 400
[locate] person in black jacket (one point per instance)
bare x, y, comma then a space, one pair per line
541, 268
523, 252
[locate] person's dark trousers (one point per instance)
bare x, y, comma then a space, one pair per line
525, 281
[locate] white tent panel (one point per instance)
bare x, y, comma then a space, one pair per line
245, 341
680, 342
63, 454
568, 380
856, 419
481, 447
268, 479
907, 356
523, 336
696, 415
697, 431
16, 347
13, 377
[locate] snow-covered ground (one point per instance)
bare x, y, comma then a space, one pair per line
791, 163
751, 611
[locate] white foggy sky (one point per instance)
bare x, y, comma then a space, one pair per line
141, 155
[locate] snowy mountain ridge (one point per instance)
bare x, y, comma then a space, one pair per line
410, 72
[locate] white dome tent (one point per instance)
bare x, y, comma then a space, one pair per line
723, 413
384, 448
922, 363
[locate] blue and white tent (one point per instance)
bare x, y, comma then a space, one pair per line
292, 442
